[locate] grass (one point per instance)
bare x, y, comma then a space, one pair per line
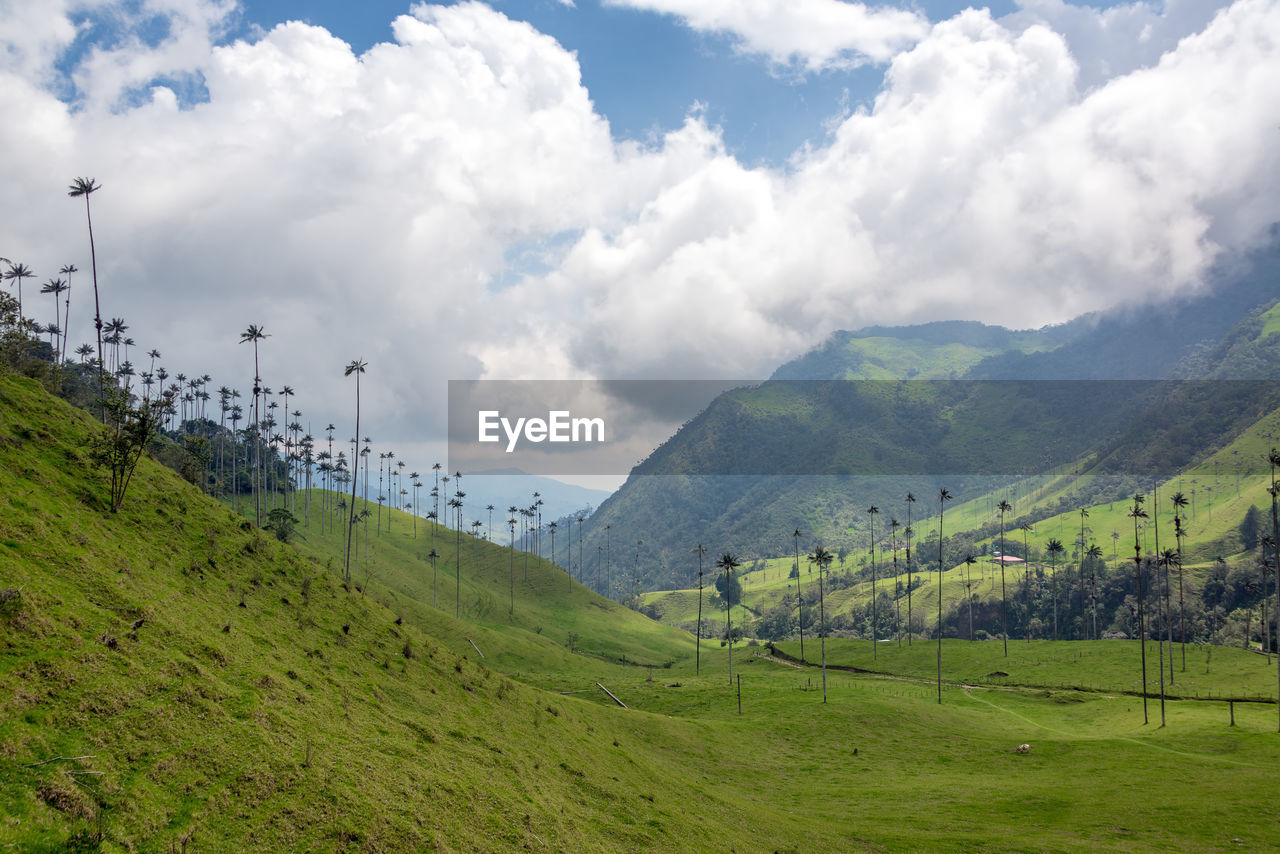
216, 689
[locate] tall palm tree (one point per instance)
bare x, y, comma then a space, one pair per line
1004, 507
357, 367
456, 504
1026, 577
1273, 458
254, 334
67, 270
872, 512
911, 499
1135, 513
894, 525
1095, 553
87, 187
18, 272
1084, 514
795, 537
1054, 547
944, 495
728, 563
56, 287
511, 562
697, 654
823, 559
435, 585
969, 561
1179, 501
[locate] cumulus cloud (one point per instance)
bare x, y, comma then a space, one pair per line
450, 204
813, 34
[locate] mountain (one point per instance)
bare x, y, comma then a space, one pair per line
878, 412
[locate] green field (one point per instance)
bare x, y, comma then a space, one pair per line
181, 679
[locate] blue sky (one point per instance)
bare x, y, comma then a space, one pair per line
645, 70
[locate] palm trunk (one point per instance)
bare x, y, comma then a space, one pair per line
351, 512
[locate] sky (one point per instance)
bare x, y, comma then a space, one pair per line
618, 189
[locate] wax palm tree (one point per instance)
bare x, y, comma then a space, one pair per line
894, 525
456, 504
511, 561
1136, 512
357, 367
697, 654
254, 334
1054, 547
1094, 553
55, 287
1179, 501
728, 563
795, 538
67, 270
435, 584
1084, 514
17, 272
488, 507
86, 187
872, 512
1026, 577
944, 495
907, 532
823, 559
1273, 458
969, 561
1004, 507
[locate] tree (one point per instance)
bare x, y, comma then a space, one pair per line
435, 586
1054, 547
1095, 554
1179, 531
907, 532
697, 653
254, 334
944, 495
1273, 458
511, 561
357, 367
55, 287
1250, 528
894, 524
795, 537
126, 434
86, 187
1136, 512
67, 270
17, 272
1084, 514
822, 558
872, 511
281, 522
1026, 577
729, 564
969, 561
1004, 507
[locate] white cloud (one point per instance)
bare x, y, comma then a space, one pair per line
814, 34
371, 205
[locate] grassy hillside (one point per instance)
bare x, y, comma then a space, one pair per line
184, 678
181, 677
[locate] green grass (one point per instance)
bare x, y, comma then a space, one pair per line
322, 718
